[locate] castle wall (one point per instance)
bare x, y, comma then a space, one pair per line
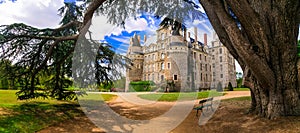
169, 59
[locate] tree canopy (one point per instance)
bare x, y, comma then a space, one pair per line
45, 55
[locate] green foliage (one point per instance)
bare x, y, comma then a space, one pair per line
141, 86
230, 88
120, 83
105, 87
43, 58
239, 82
8, 73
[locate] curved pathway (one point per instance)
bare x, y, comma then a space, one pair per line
157, 114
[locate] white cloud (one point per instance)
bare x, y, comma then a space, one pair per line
131, 25
38, 13
123, 39
100, 27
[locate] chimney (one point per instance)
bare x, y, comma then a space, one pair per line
184, 35
196, 34
205, 39
131, 41
145, 38
139, 38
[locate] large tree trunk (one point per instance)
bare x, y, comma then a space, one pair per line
262, 36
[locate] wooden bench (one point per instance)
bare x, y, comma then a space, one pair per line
204, 103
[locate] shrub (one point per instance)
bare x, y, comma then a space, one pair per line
141, 86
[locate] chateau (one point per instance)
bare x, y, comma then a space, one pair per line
186, 62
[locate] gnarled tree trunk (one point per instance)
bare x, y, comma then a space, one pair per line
262, 36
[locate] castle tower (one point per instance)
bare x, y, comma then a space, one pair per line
135, 54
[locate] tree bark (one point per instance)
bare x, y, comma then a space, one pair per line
262, 36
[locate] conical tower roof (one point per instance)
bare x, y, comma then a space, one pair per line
135, 40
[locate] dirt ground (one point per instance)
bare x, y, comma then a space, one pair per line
230, 117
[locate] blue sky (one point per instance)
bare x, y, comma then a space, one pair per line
145, 25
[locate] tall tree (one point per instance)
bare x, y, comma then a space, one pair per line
262, 36
48, 52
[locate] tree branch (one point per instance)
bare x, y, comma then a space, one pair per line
251, 22
238, 42
62, 38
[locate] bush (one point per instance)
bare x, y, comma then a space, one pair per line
141, 86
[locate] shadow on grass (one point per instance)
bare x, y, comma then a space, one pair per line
33, 116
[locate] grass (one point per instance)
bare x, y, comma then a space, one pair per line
101, 97
33, 115
241, 89
245, 98
170, 97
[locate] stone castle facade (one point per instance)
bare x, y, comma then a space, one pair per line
188, 64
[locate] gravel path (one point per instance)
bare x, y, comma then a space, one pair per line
143, 115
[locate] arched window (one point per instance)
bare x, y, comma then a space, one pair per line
162, 66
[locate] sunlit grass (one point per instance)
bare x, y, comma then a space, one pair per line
170, 97
241, 89
245, 98
33, 115
100, 97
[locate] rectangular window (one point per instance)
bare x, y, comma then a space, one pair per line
162, 66
221, 75
175, 77
201, 67
200, 56
152, 77
153, 65
220, 58
201, 77
169, 65
220, 50
205, 58
162, 77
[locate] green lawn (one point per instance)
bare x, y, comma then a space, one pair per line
170, 97
241, 89
33, 115
101, 97
245, 98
